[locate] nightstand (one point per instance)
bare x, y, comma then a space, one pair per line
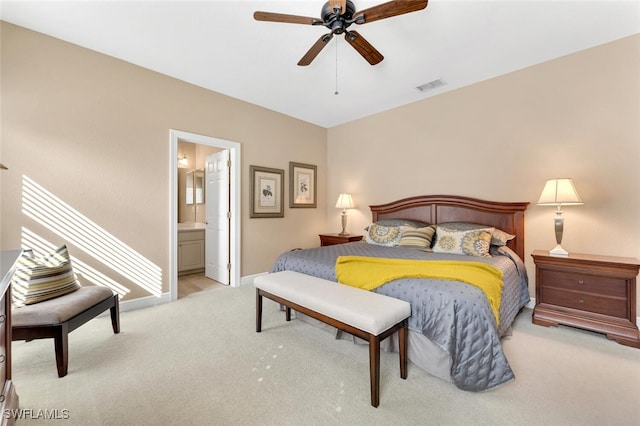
331, 239
592, 292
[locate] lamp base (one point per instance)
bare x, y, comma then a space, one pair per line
343, 219
558, 251
343, 234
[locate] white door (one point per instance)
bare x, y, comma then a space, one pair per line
217, 249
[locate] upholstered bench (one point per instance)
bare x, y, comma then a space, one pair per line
364, 314
56, 318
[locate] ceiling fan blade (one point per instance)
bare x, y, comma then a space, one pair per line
389, 9
288, 19
315, 49
363, 47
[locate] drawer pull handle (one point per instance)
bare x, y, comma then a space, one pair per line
580, 282
580, 300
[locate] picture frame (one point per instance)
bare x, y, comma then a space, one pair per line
302, 185
266, 191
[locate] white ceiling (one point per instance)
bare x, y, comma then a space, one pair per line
217, 45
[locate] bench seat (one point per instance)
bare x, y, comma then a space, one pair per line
364, 314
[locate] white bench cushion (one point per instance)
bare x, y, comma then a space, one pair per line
368, 311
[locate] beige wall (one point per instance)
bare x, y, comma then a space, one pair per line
93, 131
577, 116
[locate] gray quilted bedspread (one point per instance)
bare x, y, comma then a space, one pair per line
455, 316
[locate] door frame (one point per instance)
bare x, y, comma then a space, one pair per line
234, 234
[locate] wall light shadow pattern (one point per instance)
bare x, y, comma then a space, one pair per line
40, 246
54, 214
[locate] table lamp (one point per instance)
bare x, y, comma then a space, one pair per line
344, 202
559, 192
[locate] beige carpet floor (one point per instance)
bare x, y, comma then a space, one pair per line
199, 361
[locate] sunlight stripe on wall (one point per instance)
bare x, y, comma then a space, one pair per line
40, 247
57, 216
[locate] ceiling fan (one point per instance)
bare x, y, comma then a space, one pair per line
337, 16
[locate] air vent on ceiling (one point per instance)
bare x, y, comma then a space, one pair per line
433, 84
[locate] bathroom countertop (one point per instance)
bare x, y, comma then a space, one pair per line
191, 226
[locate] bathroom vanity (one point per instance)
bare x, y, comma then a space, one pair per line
191, 248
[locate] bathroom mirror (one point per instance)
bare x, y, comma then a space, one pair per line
195, 186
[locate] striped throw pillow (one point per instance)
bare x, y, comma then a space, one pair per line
39, 279
417, 238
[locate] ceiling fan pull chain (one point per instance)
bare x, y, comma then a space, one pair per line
336, 92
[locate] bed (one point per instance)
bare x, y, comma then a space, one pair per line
454, 330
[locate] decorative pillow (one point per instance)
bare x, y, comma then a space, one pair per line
474, 242
40, 279
498, 236
383, 235
418, 238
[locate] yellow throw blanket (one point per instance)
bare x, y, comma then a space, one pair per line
370, 273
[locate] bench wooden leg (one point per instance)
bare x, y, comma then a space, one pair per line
115, 314
374, 369
61, 344
402, 343
374, 341
258, 311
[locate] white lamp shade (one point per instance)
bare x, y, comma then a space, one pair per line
344, 202
559, 192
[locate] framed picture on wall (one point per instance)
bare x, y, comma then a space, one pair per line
266, 191
302, 185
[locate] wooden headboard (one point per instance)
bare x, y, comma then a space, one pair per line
434, 209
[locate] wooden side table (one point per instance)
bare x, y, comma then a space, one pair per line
331, 239
597, 293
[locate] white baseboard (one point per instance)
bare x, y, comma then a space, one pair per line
248, 280
531, 303
144, 302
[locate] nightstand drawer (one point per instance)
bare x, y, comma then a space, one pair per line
600, 285
612, 306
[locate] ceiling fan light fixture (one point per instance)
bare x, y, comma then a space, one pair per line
433, 84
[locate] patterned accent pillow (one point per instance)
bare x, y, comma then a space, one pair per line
474, 242
40, 279
417, 238
388, 236
498, 236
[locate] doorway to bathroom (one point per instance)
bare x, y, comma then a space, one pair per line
205, 212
